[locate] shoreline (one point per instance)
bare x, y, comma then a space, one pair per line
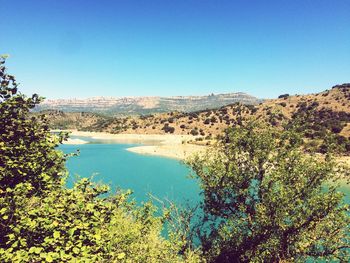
174, 151
71, 141
164, 145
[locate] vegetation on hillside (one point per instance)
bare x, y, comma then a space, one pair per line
321, 128
322, 117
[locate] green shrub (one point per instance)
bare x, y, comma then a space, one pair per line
283, 96
283, 104
266, 201
194, 132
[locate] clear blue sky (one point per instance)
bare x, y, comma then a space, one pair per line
71, 48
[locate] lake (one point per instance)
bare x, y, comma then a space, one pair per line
112, 164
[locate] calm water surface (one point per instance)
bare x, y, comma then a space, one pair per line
111, 164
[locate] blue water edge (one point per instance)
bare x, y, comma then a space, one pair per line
112, 164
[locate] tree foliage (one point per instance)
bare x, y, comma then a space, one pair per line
267, 201
29, 163
43, 221
27, 148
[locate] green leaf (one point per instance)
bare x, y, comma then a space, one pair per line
121, 255
56, 234
71, 231
76, 250
49, 258
38, 250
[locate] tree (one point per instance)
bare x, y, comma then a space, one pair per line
27, 147
194, 132
29, 163
43, 221
267, 201
283, 96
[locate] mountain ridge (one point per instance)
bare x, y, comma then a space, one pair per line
318, 115
146, 104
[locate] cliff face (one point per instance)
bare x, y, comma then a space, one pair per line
146, 105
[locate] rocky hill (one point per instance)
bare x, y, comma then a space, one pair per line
146, 105
316, 115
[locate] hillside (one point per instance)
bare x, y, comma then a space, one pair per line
146, 105
316, 114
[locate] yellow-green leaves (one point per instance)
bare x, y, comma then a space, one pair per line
68, 224
56, 234
76, 250
121, 255
35, 250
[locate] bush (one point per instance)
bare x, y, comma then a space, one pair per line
168, 129
194, 132
266, 201
283, 96
283, 104
336, 127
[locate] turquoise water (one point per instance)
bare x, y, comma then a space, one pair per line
346, 190
113, 165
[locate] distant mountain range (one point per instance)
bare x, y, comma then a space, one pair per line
146, 105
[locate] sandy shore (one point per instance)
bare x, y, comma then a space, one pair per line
177, 151
75, 141
166, 145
